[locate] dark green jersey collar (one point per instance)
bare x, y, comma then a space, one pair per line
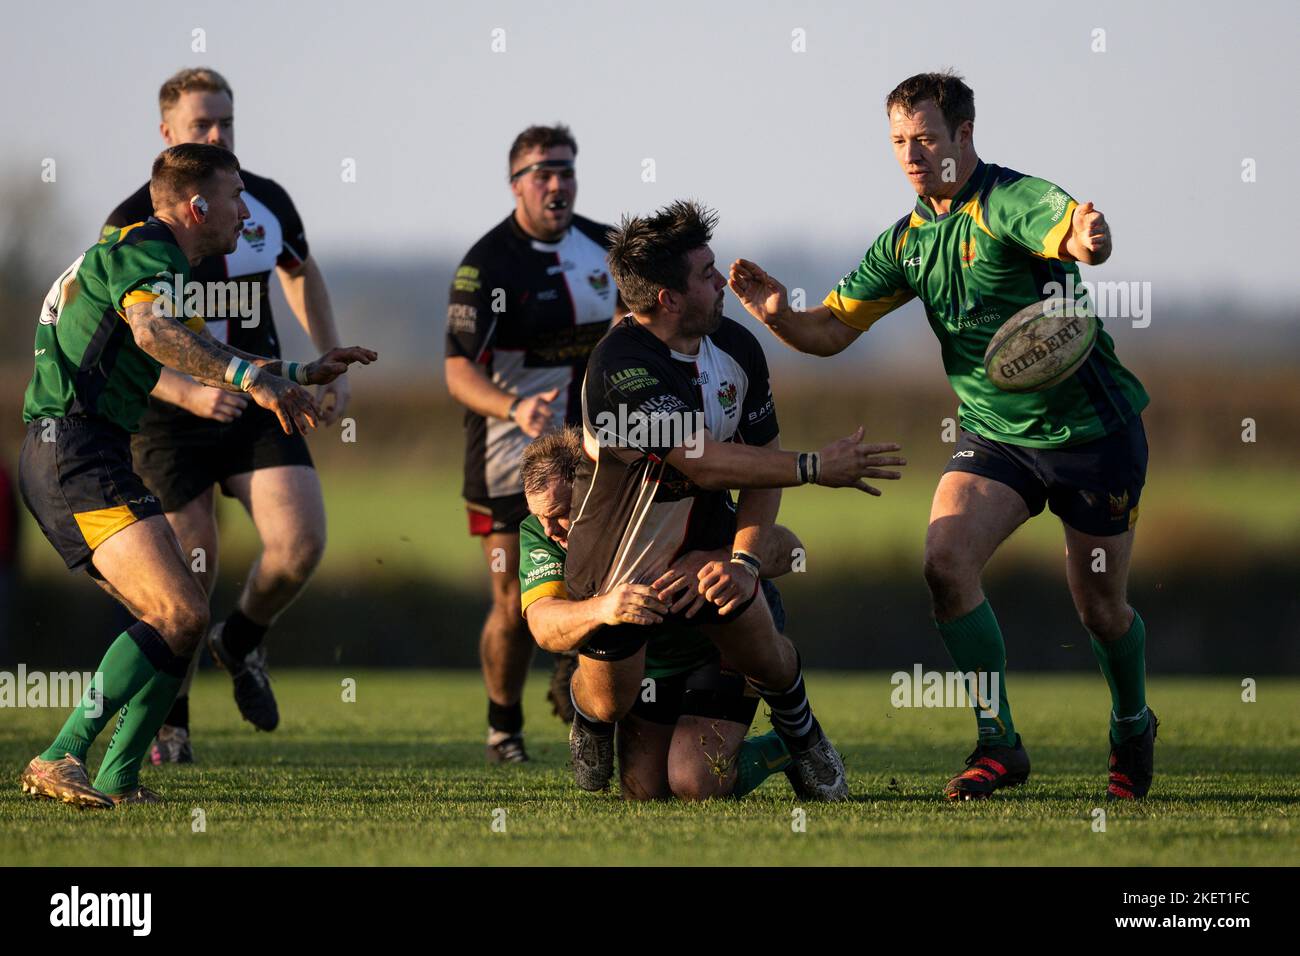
964, 195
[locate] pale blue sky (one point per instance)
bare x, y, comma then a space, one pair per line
790, 147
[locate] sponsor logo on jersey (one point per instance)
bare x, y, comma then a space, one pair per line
255, 236
727, 397
548, 295
1057, 200
632, 380
968, 453
466, 280
1118, 504
564, 265
462, 318
701, 379
539, 556
913, 262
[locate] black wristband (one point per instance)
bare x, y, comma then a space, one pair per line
510, 415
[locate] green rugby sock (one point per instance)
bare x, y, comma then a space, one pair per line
131, 661
136, 726
1124, 665
759, 758
974, 642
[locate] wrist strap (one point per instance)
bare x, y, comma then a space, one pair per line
296, 372
510, 415
749, 560
241, 374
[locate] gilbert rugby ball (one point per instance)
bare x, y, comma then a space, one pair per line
1041, 345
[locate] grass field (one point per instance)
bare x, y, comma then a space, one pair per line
398, 778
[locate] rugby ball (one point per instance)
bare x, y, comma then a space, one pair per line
1041, 345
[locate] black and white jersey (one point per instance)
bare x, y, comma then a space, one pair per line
632, 512
529, 312
273, 236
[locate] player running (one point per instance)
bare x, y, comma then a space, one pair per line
981, 243
682, 727
528, 304
676, 410
194, 437
106, 329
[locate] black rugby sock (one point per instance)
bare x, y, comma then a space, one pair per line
505, 718
241, 634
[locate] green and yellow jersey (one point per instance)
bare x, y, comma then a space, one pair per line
671, 649
997, 251
87, 362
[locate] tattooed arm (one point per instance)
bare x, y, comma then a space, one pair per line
206, 360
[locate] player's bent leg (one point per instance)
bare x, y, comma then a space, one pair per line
141, 672
752, 645
1097, 569
702, 758
602, 693
505, 650
195, 527
643, 748
288, 511
970, 516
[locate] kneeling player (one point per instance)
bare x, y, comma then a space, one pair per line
682, 728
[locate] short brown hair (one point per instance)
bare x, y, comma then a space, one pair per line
647, 254
956, 100
181, 171
554, 456
543, 137
189, 80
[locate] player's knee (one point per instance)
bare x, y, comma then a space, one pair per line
945, 573
604, 707
184, 624
689, 781
296, 564
1106, 619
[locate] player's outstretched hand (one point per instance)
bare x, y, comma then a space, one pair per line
632, 604
761, 295
845, 463
533, 414
292, 403
335, 362
1090, 229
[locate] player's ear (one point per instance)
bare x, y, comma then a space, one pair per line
965, 133
199, 208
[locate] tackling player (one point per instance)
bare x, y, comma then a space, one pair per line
982, 242
676, 411
528, 304
681, 729
108, 325
194, 437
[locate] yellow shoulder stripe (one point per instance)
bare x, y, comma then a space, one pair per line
546, 589
862, 314
973, 210
1052, 241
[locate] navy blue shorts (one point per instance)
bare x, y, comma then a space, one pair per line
1093, 487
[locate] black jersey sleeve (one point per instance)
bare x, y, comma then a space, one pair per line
471, 316
758, 425
293, 249
635, 402
135, 208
